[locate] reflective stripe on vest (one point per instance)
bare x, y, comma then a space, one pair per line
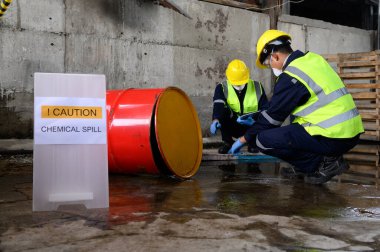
251, 99
323, 98
330, 110
336, 119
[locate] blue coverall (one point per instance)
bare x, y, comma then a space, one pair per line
227, 118
292, 143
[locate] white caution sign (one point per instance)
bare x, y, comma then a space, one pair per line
70, 162
63, 120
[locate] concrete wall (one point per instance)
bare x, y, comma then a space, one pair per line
325, 38
138, 44
133, 42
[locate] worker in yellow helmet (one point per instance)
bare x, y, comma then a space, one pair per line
235, 100
325, 122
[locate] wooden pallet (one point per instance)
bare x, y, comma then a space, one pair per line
364, 161
360, 73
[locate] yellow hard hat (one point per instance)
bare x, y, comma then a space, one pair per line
265, 39
237, 72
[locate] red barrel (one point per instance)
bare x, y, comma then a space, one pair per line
153, 131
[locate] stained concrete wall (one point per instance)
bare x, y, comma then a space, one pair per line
133, 42
137, 44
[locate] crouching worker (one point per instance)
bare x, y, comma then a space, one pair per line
234, 97
326, 123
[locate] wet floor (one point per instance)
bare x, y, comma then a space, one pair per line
223, 207
244, 190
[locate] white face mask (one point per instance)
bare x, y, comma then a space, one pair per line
276, 71
239, 88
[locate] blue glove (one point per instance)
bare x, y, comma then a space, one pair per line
236, 147
215, 125
246, 121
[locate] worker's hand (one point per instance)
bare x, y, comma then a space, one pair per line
215, 125
245, 120
235, 149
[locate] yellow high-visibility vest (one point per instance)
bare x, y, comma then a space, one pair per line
251, 99
331, 110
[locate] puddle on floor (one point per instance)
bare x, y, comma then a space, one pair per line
242, 189
217, 190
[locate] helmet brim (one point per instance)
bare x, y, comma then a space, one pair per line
259, 65
239, 83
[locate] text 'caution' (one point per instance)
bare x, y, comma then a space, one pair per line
71, 112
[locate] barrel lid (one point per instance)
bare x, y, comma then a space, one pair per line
178, 132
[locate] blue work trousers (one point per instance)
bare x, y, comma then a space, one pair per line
230, 128
294, 145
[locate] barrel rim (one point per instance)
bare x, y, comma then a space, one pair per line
195, 168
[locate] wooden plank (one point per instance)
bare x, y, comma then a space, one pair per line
369, 111
370, 138
369, 116
363, 85
371, 133
357, 56
353, 75
234, 4
369, 159
369, 149
370, 126
365, 95
357, 178
360, 172
363, 168
367, 106
355, 64
346, 57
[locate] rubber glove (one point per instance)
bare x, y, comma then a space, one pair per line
215, 125
235, 149
245, 121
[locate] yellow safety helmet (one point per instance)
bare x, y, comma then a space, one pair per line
237, 72
264, 40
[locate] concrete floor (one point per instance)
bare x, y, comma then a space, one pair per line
225, 207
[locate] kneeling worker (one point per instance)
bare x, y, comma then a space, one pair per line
325, 121
236, 96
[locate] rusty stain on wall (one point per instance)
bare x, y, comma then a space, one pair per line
15, 113
217, 42
219, 23
198, 24
7, 93
220, 20
198, 72
218, 69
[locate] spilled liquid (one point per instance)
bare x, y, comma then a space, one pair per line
216, 191
241, 189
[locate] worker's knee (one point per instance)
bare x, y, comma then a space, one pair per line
272, 143
263, 143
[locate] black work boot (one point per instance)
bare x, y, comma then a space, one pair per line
291, 173
224, 148
330, 167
